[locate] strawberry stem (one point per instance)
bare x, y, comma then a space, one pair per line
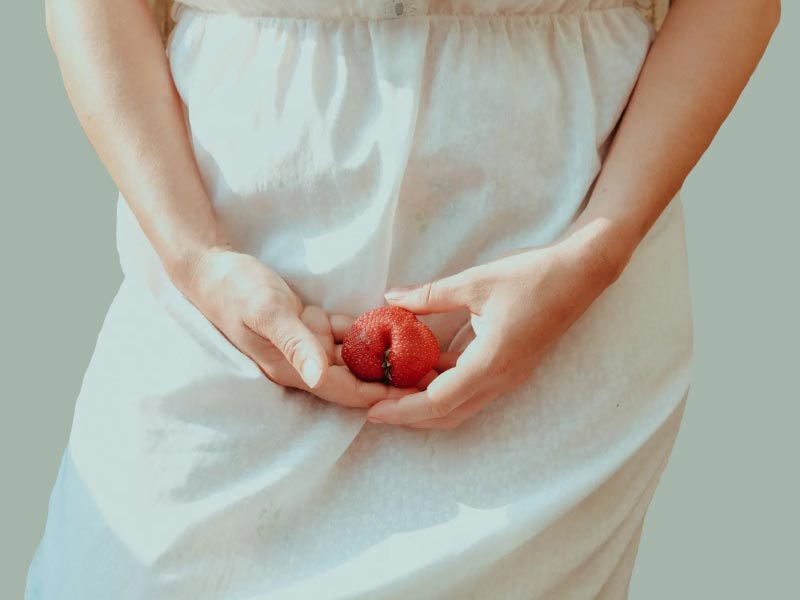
387, 367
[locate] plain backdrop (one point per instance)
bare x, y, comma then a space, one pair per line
723, 523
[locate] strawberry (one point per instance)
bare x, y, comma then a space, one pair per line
390, 344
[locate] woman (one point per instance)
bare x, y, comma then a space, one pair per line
282, 167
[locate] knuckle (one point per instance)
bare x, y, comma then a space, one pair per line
498, 367
371, 392
427, 292
359, 393
290, 347
349, 392
440, 409
500, 360
475, 285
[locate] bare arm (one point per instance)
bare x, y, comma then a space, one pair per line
117, 78
699, 64
695, 71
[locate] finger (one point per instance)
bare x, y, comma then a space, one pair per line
462, 338
344, 388
337, 355
427, 379
297, 343
340, 385
446, 392
462, 289
466, 411
317, 320
340, 324
447, 360
269, 359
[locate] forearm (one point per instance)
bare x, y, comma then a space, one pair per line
117, 77
695, 71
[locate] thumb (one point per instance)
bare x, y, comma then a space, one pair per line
439, 295
299, 345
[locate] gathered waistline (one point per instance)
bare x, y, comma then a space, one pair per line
378, 10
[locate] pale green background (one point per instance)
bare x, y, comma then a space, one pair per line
723, 524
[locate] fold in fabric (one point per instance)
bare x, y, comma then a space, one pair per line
352, 153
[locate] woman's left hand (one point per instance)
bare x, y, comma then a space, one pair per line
519, 306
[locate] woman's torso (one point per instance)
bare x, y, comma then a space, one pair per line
352, 153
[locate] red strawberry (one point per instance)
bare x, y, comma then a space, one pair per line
390, 344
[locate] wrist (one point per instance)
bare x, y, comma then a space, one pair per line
603, 247
184, 268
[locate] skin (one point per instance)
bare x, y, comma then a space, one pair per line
117, 78
698, 66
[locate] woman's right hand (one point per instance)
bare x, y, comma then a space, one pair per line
294, 345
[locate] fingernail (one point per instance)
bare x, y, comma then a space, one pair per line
311, 372
374, 419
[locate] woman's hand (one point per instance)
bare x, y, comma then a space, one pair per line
519, 306
294, 345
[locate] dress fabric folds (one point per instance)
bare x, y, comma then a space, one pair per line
355, 145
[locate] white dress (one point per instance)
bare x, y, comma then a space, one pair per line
354, 145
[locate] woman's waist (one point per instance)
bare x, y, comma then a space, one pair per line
398, 9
